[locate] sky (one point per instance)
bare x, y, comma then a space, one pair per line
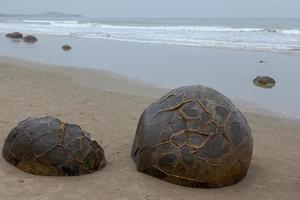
157, 8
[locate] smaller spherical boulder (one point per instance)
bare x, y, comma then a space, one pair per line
30, 39
264, 81
50, 147
66, 47
14, 35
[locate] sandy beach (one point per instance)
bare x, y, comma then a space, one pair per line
109, 106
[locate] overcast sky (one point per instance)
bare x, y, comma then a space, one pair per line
157, 8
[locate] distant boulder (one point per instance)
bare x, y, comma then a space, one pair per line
14, 35
30, 39
264, 81
263, 61
66, 47
270, 30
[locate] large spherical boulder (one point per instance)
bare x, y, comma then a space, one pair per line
47, 146
30, 39
14, 35
193, 136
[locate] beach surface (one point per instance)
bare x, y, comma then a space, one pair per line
169, 66
108, 106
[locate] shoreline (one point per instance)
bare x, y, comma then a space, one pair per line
94, 78
231, 72
115, 82
103, 80
111, 116
292, 52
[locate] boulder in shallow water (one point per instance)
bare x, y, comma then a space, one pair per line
66, 47
264, 81
14, 35
30, 39
262, 61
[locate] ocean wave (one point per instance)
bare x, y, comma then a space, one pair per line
78, 24
249, 38
294, 31
205, 43
70, 24
185, 28
49, 22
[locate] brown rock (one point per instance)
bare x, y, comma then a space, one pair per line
264, 81
14, 35
66, 47
30, 39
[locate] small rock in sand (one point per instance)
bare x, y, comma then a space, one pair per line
20, 180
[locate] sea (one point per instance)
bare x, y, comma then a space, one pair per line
277, 35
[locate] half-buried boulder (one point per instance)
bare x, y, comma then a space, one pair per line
50, 147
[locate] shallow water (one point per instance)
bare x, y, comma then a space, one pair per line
229, 71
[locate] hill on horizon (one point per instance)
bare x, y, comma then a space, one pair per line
46, 14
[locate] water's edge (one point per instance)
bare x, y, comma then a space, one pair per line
132, 86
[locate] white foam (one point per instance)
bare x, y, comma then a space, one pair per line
268, 39
291, 31
49, 22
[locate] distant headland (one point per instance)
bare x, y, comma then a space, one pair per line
46, 14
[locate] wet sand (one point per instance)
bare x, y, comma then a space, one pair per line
229, 71
110, 113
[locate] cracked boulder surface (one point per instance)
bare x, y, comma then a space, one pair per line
195, 137
50, 147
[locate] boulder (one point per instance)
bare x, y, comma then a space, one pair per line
66, 47
262, 61
264, 81
30, 39
14, 35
